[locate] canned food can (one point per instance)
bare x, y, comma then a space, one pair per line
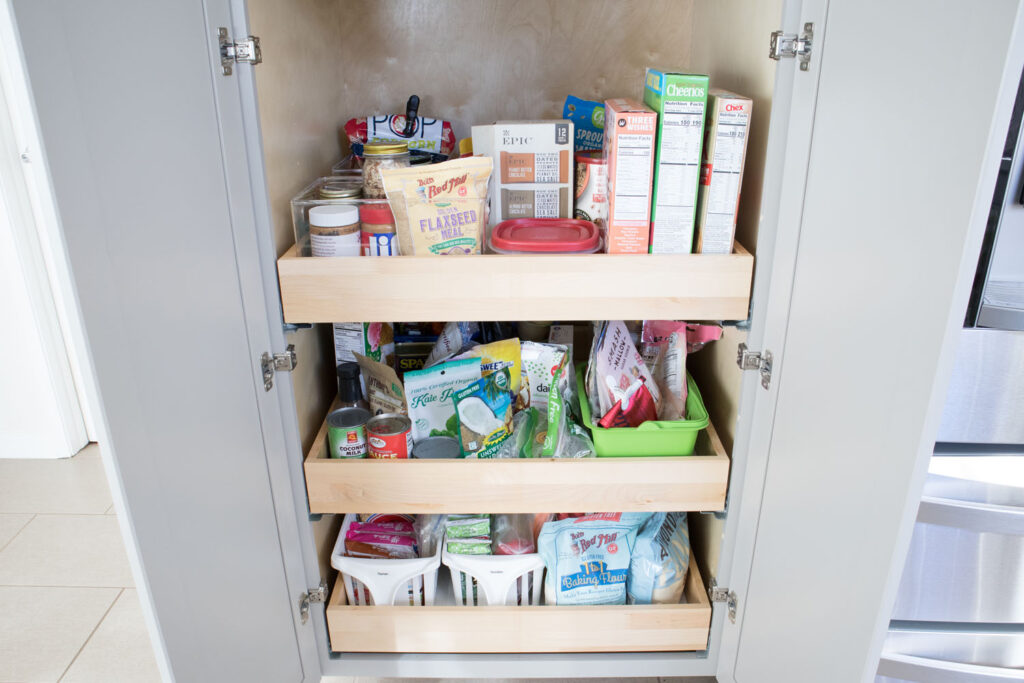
434, 447
389, 436
346, 432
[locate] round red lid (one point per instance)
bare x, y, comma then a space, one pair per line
538, 235
594, 157
376, 214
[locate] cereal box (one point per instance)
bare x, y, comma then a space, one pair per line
725, 149
532, 168
680, 101
629, 148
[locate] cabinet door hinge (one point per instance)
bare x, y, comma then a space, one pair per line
719, 594
271, 363
793, 45
756, 360
243, 52
313, 595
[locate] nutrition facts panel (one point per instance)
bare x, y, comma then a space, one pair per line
679, 163
632, 177
724, 184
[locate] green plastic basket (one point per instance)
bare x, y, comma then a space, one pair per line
654, 438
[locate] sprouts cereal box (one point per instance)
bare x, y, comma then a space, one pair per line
629, 149
680, 101
725, 149
532, 168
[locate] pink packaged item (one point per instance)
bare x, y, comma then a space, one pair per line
401, 527
664, 345
615, 372
634, 408
513, 534
390, 546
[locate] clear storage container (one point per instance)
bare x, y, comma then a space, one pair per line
326, 191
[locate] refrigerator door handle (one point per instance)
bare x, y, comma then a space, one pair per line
979, 517
924, 670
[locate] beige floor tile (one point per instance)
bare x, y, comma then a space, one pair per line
66, 550
42, 629
10, 525
75, 485
119, 650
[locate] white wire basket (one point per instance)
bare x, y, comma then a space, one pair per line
371, 581
494, 579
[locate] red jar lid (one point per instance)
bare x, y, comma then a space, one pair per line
594, 157
376, 214
551, 235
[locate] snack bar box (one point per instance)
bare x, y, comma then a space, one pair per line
629, 151
680, 101
532, 168
721, 176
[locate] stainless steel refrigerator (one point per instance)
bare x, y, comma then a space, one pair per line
959, 615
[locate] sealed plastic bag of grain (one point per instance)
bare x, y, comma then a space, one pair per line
440, 209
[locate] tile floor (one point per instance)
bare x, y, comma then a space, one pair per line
68, 608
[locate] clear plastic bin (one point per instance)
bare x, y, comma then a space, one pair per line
312, 195
385, 582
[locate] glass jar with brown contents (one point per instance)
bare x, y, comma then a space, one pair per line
378, 156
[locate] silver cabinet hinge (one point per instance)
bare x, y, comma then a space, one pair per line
278, 362
793, 45
718, 594
244, 52
756, 360
313, 595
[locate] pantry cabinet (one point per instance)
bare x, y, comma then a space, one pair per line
863, 208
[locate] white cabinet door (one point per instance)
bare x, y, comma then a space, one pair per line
153, 193
911, 112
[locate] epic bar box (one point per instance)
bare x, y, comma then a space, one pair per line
532, 168
725, 150
629, 150
680, 101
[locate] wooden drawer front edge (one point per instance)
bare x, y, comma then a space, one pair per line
611, 628
696, 482
627, 286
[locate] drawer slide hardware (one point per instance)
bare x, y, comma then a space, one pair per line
278, 362
313, 595
244, 52
792, 45
755, 360
719, 594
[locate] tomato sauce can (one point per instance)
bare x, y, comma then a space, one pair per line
346, 432
389, 436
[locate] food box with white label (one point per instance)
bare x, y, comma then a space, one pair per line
629, 148
680, 101
532, 168
725, 150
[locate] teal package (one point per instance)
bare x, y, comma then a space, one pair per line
587, 558
588, 119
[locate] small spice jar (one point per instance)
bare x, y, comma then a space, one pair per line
376, 157
378, 230
334, 230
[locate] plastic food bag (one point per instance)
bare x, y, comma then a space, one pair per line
564, 437
540, 364
588, 558
431, 135
661, 558
588, 118
484, 412
513, 535
496, 356
429, 392
616, 373
440, 209
455, 338
429, 530
384, 390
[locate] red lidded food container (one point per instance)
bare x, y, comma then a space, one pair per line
545, 236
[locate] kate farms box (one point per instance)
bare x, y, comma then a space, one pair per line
629, 150
725, 148
532, 168
680, 101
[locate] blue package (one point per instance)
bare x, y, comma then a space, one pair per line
660, 559
588, 118
588, 557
